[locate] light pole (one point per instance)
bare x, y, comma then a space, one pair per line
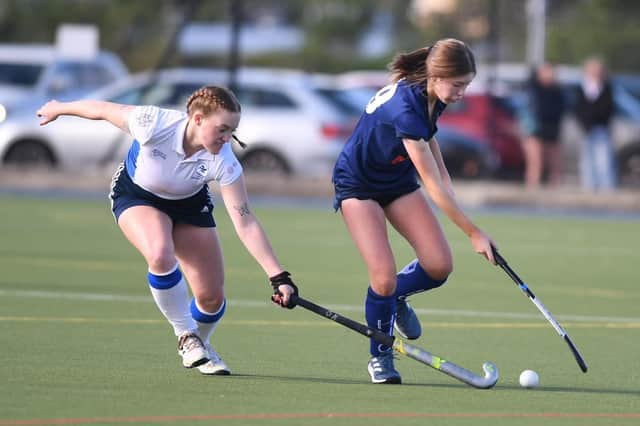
536, 32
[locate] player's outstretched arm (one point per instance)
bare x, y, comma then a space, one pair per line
437, 184
254, 238
116, 114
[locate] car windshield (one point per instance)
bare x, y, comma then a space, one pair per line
26, 75
626, 104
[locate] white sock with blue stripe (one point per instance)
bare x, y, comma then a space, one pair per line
207, 321
171, 294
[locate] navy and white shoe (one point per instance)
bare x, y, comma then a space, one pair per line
381, 369
407, 323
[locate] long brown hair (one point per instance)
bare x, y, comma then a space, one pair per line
446, 58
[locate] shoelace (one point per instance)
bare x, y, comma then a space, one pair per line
384, 361
189, 341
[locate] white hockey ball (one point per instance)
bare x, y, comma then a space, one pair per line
529, 379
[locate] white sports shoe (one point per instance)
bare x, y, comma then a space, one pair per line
192, 350
215, 366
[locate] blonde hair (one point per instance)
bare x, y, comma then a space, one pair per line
209, 99
446, 58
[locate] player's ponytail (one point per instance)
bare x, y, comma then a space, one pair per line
444, 59
410, 66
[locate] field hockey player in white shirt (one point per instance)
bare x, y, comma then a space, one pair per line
161, 201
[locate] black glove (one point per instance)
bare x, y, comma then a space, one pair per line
283, 278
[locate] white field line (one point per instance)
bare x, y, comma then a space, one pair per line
98, 297
318, 323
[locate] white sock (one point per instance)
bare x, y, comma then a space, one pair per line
170, 292
211, 319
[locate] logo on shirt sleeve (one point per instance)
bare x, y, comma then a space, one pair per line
144, 119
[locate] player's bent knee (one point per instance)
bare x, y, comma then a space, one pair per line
438, 269
210, 303
440, 274
384, 286
160, 260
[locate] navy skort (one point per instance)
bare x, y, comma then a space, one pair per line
384, 198
196, 210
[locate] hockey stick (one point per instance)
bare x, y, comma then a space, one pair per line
491, 372
503, 264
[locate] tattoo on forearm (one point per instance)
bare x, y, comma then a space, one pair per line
243, 210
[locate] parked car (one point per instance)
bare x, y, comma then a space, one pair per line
489, 118
631, 82
31, 74
465, 156
29, 71
288, 128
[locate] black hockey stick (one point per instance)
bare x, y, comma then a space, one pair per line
491, 372
503, 264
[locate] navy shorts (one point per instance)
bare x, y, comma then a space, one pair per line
196, 210
384, 198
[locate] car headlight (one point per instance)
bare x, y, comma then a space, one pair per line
3, 113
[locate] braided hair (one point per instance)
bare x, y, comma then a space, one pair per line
208, 99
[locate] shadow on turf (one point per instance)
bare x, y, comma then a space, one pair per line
574, 390
329, 380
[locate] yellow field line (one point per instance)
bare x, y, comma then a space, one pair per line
475, 325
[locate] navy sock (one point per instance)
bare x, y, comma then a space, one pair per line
380, 312
413, 279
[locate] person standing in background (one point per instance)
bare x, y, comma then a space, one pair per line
545, 109
594, 110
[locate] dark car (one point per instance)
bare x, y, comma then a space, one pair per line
465, 156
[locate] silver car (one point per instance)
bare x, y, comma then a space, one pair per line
287, 126
31, 74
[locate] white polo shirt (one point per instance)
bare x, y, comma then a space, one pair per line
156, 160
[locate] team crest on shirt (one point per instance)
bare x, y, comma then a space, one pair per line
200, 172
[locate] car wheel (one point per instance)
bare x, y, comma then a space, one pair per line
29, 153
629, 166
471, 168
265, 161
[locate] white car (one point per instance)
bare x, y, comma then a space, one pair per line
31, 74
288, 127
29, 71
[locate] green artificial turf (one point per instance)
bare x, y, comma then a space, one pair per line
82, 342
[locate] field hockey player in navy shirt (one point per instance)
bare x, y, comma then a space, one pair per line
375, 181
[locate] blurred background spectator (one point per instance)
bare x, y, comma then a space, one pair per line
541, 121
594, 110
